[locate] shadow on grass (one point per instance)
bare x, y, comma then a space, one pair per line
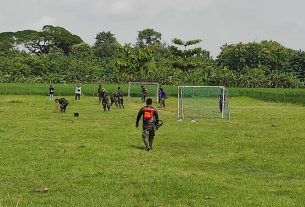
137, 147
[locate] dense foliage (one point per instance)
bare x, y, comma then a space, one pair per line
56, 55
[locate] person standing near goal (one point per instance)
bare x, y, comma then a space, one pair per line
162, 97
144, 93
221, 99
150, 119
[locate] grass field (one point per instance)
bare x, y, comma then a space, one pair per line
98, 159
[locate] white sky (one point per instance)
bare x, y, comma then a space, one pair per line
216, 22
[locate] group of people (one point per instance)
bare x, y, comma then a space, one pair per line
108, 100
78, 92
148, 112
62, 103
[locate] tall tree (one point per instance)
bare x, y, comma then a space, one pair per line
82, 50
61, 38
148, 37
7, 41
35, 42
187, 59
105, 44
233, 56
239, 56
297, 64
40, 43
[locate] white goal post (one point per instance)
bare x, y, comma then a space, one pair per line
134, 90
203, 102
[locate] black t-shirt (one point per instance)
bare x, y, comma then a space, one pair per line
63, 101
51, 90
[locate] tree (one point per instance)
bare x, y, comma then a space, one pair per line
148, 37
132, 61
60, 37
82, 50
274, 56
297, 64
36, 42
40, 43
233, 56
105, 44
7, 41
269, 54
187, 59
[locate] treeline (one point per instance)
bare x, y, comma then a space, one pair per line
55, 54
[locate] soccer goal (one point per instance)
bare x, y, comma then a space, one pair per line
135, 91
196, 102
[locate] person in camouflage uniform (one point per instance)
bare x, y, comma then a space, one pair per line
62, 103
105, 100
99, 91
120, 98
144, 93
150, 119
114, 99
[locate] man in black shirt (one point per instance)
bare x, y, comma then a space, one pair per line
51, 92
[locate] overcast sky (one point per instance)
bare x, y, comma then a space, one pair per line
215, 22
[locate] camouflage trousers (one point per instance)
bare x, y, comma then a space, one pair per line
148, 135
106, 105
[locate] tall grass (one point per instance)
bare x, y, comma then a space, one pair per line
280, 95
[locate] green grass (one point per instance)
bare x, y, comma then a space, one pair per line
98, 159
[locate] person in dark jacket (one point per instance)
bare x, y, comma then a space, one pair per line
162, 96
51, 92
120, 98
150, 119
106, 101
144, 93
62, 103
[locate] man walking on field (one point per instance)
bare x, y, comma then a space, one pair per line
150, 119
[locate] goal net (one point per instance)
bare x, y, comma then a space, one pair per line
203, 102
135, 91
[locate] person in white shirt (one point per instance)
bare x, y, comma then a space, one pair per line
78, 92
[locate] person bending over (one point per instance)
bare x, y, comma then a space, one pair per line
62, 103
